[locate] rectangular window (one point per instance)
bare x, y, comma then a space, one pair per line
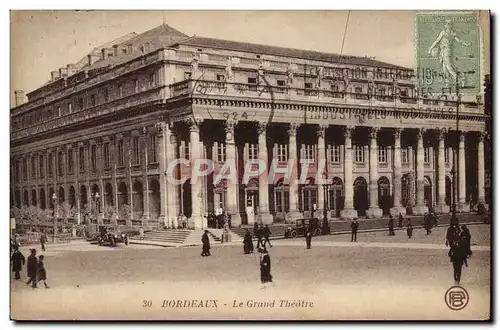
335, 88
17, 171
80, 103
427, 158
136, 85
33, 168
25, 169
221, 152
186, 150
280, 83
106, 95
121, 155
446, 156
382, 155
81, 156
253, 151
107, 159
152, 144
50, 165
221, 77
335, 154
358, 90
120, 90
404, 156
70, 161
152, 79
135, 148
60, 163
282, 153
93, 157
70, 107
252, 80
59, 113
308, 85
92, 100
359, 154
41, 166
309, 152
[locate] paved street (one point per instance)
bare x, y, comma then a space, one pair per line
379, 277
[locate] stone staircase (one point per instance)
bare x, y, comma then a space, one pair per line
163, 237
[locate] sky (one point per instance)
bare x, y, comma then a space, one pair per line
43, 41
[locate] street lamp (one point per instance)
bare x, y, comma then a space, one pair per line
54, 201
95, 206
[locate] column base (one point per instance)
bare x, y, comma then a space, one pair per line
374, 213
265, 218
348, 214
463, 207
236, 219
173, 223
163, 221
196, 222
293, 216
144, 220
398, 209
420, 210
442, 209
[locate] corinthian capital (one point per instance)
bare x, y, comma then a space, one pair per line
397, 133
261, 127
374, 132
292, 130
442, 133
320, 131
483, 136
348, 131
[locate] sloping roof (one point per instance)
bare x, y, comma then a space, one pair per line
159, 37
282, 51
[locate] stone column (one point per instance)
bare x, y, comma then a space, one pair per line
128, 166
348, 212
463, 206
294, 213
321, 158
161, 147
441, 204
100, 170
420, 207
194, 139
374, 211
114, 155
171, 189
398, 208
232, 187
264, 216
480, 169
144, 150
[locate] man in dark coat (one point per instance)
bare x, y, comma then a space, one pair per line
409, 229
247, 243
458, 256
400, 220
258, 231
466, 237
354, 230
32, 268
267, 233
18, 261
43, 240
391, 226
427, 223
308, 235
206, 244
265, 268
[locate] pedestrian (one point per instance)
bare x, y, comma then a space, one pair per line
32, 268
400, 220
391, 225
260, 232
267, 233
308, 235
409, 229
427, 223
206, 244
41, 273
265, 268
43, 240
247, 242
466, 237
452, 235
18, 262
354, 230
458, 256
141, 233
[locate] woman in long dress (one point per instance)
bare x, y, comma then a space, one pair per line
265, 267
247, 243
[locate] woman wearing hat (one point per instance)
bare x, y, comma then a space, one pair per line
265, 267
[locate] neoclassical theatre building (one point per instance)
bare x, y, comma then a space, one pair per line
114, 122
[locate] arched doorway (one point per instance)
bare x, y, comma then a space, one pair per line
336, 197
360, 196
138, 199
26, 198
408, 192
252, 200
122, 194
72, 196
281, 199
51, 200
18, 198
384, 195
108, 194
83, 197
448, 190
42, 199
33, 197
154, 200
428, 201
308, 198
220, 197
61, 195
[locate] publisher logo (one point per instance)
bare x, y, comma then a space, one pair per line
456, 298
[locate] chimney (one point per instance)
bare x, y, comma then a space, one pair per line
63, 72
71, 69
115, 50
55, 75
92, 58
106, 52
19, 97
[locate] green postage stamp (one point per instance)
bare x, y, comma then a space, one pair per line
448, 52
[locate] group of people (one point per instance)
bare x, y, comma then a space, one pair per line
35, 267
217, 221
458, 238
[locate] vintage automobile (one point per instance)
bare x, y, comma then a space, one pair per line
111, 237
300, 226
